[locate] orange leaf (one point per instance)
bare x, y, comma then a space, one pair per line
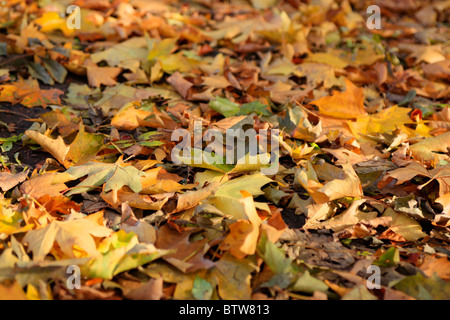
348, 104
102, 75
242, 239
28, 93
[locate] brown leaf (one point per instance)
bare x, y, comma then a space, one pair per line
432, 149
41, 185
146, 232
439, 266
189, 256
189, 199
102, 75
28, 93
402, 175
152, 290
9, 180
180, 84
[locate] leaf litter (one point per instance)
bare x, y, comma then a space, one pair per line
364, 146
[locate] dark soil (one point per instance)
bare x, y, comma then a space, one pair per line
22, 118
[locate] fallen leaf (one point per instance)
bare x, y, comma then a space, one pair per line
41, 185
436, 266
432, 149
189, 256
28, 93
82, 149
348, 104
402, 175
67, 234
152, 290
9, 180
102, 75
347, 185
146, 232
112, 175
406, 227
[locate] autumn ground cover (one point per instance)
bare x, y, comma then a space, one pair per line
94, 205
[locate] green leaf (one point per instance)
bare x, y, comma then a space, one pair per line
308, 284
276, 258
388, 259
423, 288
6, 144
121, 252
151, 144
408, 98
202, 289
224, 107
250, 183
162, 48
254, 107
277, 261
38, 71
3, 51
113, 175
55, 69
229, 109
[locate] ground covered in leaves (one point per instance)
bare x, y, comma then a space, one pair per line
88, 179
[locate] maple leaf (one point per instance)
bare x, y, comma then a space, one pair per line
260, 64
10, 220
119, 252
402, 227
348, 104
82, 149
180, 84
347, 185
66, 234
402, 175
102, 75
113, 175
40, 185
243, 237
432, 149
385, 121
9, 180
51, 21
130, 117
189, 256
28, 93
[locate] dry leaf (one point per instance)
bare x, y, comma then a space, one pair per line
348, 104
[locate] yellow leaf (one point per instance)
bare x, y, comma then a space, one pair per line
77, 233
403, 225
385, 121
50, 21
83, 148
348, 185
129, 117
327, 58
432, 149
243, 236
12, 292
